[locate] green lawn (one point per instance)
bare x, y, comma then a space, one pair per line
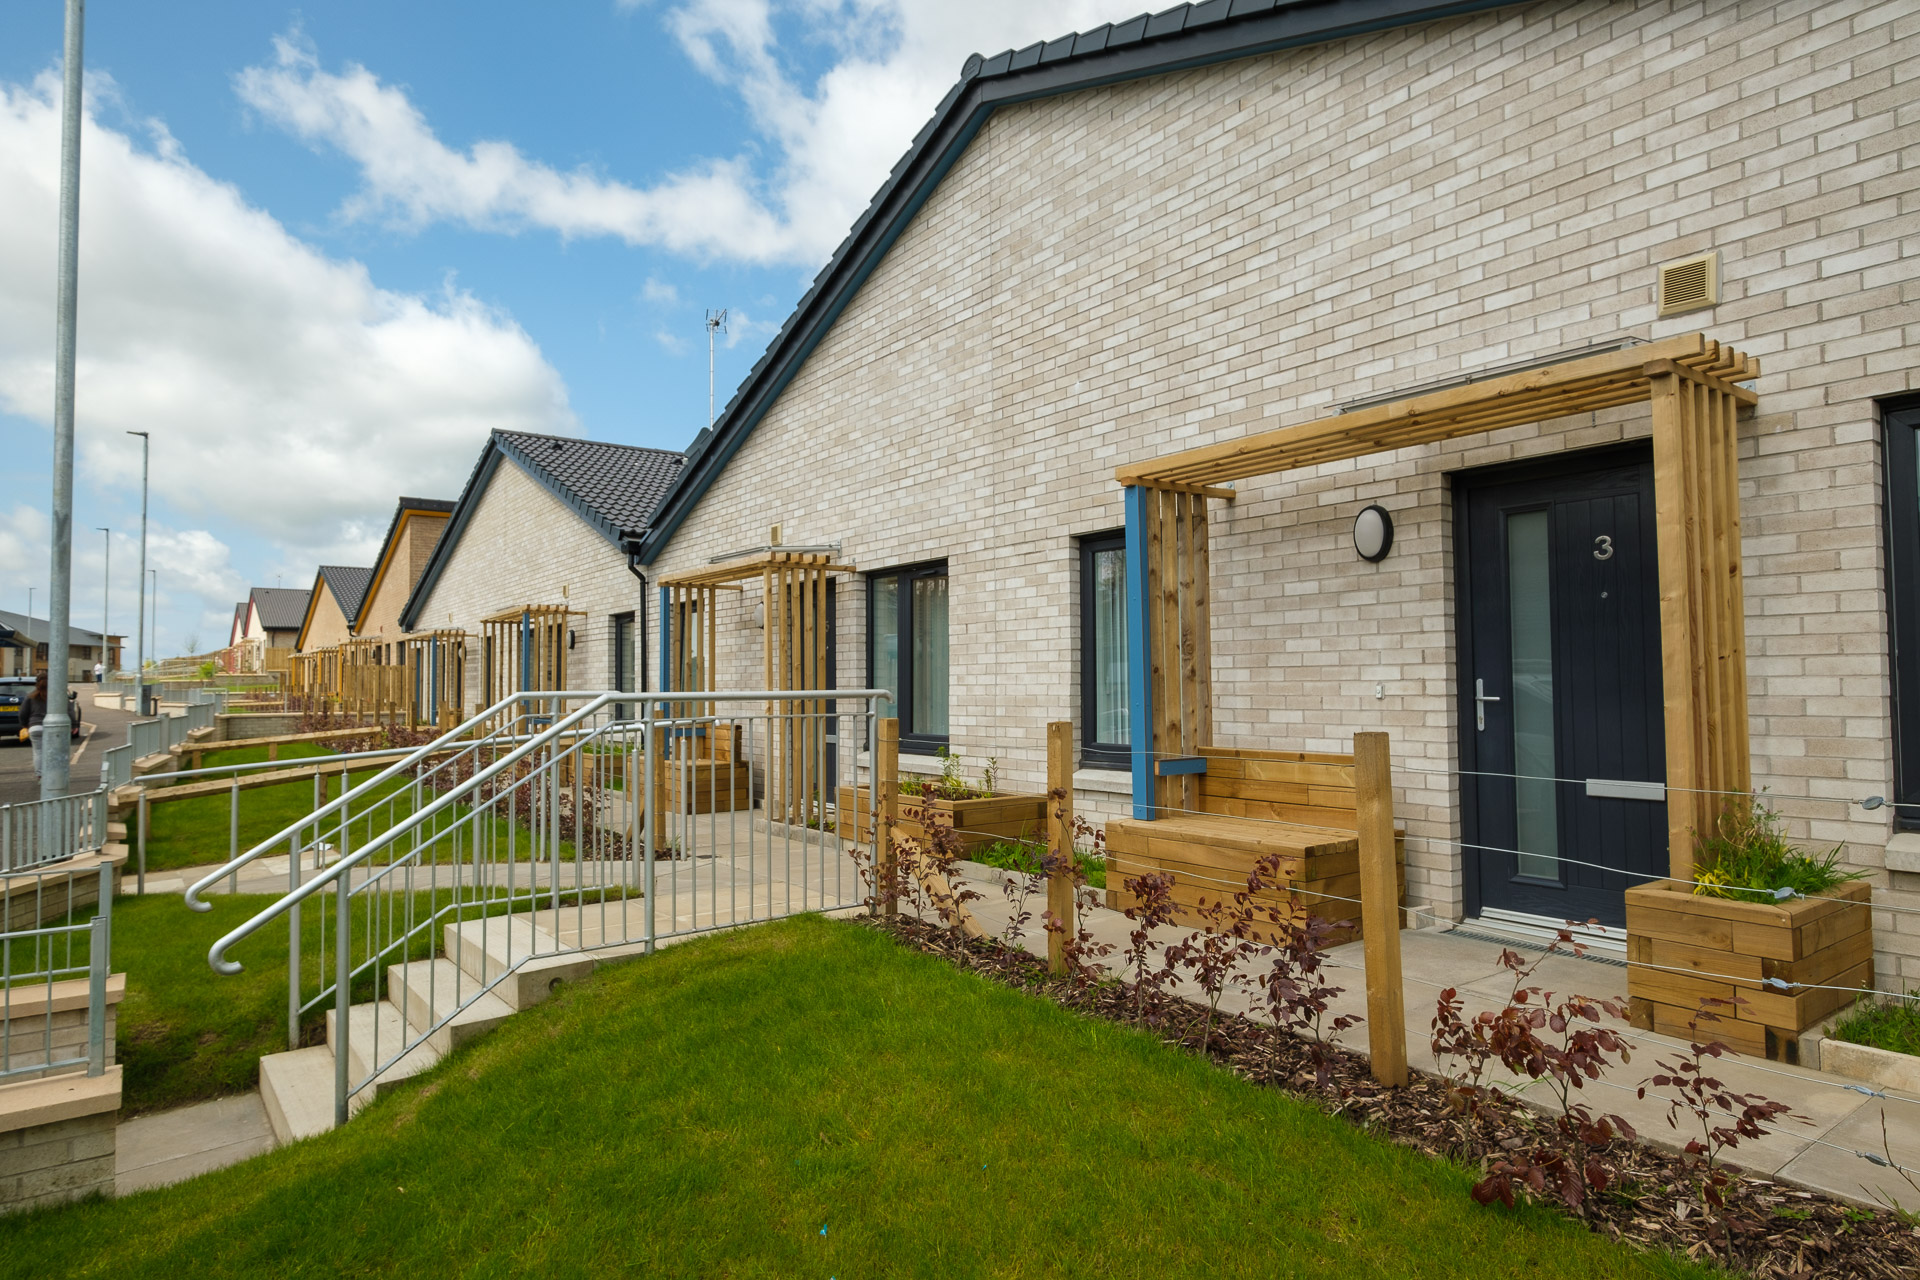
186, 1033
810, 1099
196, 832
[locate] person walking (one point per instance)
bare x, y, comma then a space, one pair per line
99, 672
36, 715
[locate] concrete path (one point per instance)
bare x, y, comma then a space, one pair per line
167, 1146
1825, 1147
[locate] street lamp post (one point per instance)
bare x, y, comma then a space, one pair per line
140, 618
106, 591
56, 754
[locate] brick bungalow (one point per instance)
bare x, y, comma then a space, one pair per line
1232, 217
546, 522
404, 552
332, 606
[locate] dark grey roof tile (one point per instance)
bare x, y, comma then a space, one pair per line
1128, 32
349, 586
281, 608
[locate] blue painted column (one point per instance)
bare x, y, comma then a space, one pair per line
1139, 654
666, 643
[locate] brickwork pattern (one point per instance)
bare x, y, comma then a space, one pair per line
25, 1042
1133, 269
523, 546
56, 1163
329, 625
416, 540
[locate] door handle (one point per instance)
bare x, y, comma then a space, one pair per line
1480, 700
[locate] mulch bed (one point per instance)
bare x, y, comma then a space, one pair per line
1767, 1229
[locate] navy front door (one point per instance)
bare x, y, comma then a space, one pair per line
1563, 738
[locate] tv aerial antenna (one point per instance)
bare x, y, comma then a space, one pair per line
716, 323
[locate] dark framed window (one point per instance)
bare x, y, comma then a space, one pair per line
1105, 722
625, 665
907, 650
1900, 421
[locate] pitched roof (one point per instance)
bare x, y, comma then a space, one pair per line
280, 608
348, 585
1183, 37
402, 511
614, 488
35, 630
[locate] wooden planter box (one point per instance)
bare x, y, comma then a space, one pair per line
1732, 946
710, 786
1210, 858
975, 823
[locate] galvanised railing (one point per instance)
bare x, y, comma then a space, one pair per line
561, 828
116, 766
148, 737
37, 832
40, 967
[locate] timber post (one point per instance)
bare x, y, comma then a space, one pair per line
1060, 842
1380, 908
886, 811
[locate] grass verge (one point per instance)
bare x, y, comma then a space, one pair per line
810, 1099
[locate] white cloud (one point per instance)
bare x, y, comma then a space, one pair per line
286, 393
670, 342
660, 293
834, 140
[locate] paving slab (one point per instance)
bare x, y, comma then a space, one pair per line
163, 1148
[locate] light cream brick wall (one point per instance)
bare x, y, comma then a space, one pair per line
54, 1163
329, 623
524, 546
1133, 269
416, 541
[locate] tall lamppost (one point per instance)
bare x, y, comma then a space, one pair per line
106, 591
140, 618
55, 757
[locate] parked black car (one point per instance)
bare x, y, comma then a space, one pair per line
14, 692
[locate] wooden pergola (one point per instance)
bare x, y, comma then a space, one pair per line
1691, 384
793, 599
524, 650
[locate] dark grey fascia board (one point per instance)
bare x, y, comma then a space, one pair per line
1115, 53
456, 526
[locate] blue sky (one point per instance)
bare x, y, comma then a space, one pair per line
326, 249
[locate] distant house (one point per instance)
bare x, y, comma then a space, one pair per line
543, 526
331, 607
23, 648
269, 618
411, 538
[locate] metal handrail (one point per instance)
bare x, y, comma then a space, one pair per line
216, 955
34, 833
228, 868
562, 727
44, 940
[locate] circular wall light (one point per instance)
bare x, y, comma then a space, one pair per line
1373, 533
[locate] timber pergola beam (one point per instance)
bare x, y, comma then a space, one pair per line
1533, 395
793, 593
1691, 383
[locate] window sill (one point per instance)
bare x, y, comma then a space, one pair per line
1903, 852
1106, 782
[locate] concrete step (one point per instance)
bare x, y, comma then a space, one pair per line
485, 949
378, 1031
297, 1088
427, 990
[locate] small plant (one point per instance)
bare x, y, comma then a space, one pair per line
1297, 996
1748, 858
1153, 906
1710, 1104
1891, 1023
1574, 1049
1225, 939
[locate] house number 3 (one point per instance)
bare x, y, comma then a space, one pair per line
1603, 547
